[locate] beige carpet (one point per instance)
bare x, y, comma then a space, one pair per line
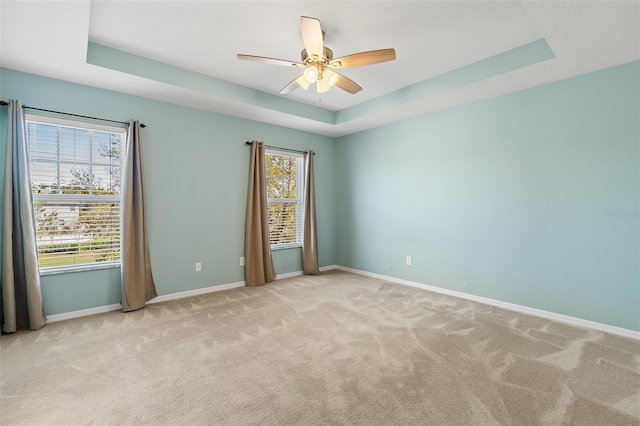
334, 349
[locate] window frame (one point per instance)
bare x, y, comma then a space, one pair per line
299, 200
122, 131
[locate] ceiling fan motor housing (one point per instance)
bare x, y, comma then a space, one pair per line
326, 58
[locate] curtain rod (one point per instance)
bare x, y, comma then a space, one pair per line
4, 103
281, 149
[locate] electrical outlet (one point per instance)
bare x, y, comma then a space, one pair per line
198, 266
409, 260
242, 261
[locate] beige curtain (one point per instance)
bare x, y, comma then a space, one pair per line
21, 298
137, 280
310, 236
258, 268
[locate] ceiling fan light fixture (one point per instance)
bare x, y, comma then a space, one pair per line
331, 77
317, 58
311, 74
322, 85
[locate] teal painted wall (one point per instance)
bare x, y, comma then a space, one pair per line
196, 169
506, 198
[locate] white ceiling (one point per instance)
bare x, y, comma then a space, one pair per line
430, 38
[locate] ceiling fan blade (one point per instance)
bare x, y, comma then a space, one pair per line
312, 36
290, 87
298, 82
348, 85
364, 58
271, 61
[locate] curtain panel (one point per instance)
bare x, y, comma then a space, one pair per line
310, 233
258, 268
20, 278
137, 280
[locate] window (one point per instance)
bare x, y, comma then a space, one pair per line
75, 180
284, 172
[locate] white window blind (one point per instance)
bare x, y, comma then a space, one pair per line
285, 203
75, 180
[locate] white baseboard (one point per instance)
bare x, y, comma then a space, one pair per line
500, 304
83, 313
158, 299
328, 268
288, 275
298, 273
166, 297
506, 305
196, 292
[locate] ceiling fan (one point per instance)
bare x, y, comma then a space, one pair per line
318, 61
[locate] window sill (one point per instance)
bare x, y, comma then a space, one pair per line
80, 268
285, 246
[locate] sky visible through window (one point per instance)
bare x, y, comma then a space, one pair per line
78, 156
